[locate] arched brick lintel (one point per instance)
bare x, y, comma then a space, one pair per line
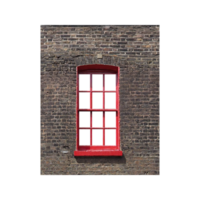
98, 66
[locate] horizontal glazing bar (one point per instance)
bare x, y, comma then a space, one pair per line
97, 127
98, 110
95, 91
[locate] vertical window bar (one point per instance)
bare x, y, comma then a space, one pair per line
81, 118
94, 89
115, 94
103, 108
94, 82
102, 94
81, 136
90, 91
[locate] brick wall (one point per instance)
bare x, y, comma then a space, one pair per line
135, 49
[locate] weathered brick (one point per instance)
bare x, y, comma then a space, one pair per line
65, 35
135, 49
122, 42
80, 35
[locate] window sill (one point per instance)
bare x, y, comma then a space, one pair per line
98, 153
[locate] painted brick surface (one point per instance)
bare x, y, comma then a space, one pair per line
135, 49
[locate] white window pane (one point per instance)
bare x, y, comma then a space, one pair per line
84, 119
84, 82
110, 119
97, 100
97, 82
110, 100
84, 100
97, 119
84, 137
110, 137
97, 137
110, 82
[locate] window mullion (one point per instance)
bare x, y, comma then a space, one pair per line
89, 93
104, 89
115, 94
90, 108
103, 108
115, 113
79, 97
91, 130
103, 128
105, 131
115, 130
79, 106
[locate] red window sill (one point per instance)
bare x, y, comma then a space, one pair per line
98, 153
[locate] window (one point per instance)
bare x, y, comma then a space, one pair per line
98, 111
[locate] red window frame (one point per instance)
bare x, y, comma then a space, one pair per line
98, 150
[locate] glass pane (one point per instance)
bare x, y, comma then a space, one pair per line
110, 119
110, 82
110, 137
84, 82
97, 119
84, 137
97, 100
84, 100
97, 137
97, 82
110, 100
84, 119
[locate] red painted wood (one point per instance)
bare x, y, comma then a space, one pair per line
102, 82
96, 72
83, 148
89, 137
96, 128
98, 153
91, 130
102, 137
115, 94
97, 68
105, 119
115, 131
103, 128
77, 112
118, 113
105, 82
89, 126
89, 119
98, 91
90, 91
103, 93
98, 110
98, 150
79, 141
105, 136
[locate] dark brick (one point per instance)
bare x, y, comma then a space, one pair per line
122, 42
131, 39
80, 35
72, 39
138, 49
123, 35
122, 49
115, 39
117, 46
135, 49
130, 33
